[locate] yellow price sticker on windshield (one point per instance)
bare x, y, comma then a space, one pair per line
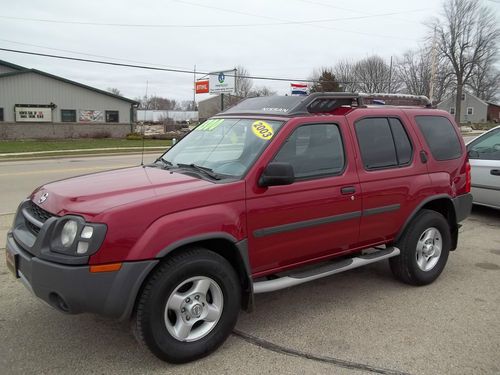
262, 130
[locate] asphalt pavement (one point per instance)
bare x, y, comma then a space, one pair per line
360, 321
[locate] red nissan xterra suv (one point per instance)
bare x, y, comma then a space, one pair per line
242, 205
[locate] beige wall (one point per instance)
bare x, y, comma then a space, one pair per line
61, 130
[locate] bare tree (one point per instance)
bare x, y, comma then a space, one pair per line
243, 84
466, 35
344, 73
413, 72
485, 81
373, 74
114, 90
262, 91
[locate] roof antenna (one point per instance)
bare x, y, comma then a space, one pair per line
143, 123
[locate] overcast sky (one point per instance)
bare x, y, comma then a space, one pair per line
259, 34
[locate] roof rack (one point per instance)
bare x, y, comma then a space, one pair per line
320, 102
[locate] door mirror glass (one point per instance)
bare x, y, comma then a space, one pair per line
473, 154
277, 173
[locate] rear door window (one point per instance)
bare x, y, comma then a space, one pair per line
441, 137
383, 143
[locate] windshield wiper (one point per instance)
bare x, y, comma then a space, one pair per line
207, 171
165, 163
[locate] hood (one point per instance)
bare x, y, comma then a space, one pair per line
94, 193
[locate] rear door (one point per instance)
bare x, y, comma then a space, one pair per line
484, 157
391, 174
316, 216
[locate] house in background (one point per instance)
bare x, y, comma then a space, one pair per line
36, 104
474, 110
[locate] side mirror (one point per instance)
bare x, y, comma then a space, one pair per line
473, 154
277, 173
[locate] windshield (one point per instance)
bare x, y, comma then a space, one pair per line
225, 146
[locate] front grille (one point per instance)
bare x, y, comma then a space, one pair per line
38, 213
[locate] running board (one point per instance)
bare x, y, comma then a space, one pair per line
323, 271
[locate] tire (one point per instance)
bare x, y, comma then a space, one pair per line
418, 263
189, 306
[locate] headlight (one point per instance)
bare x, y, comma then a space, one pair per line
71, 235
68, 233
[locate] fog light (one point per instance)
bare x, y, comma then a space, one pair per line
82, 247
87, 232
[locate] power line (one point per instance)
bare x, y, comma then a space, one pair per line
172, 70
88, 54
285, 20
137, 25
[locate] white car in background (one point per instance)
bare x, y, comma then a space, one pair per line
484, 157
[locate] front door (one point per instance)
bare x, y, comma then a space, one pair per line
484, 158
316, 216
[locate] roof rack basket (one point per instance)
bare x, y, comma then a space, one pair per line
321, 102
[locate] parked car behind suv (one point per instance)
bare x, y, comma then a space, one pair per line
484, 154
242, 205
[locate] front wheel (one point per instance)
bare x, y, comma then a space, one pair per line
189, 306
424, 246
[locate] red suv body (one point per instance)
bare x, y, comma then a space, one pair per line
304, 181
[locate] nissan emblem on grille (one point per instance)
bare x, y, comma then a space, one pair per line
43, 198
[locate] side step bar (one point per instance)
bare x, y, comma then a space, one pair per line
323, 271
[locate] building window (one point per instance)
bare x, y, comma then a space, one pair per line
463, 96
112, 116
470, 110
452, 110
68, 115
1, 114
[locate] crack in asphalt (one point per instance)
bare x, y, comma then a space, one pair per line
319, 358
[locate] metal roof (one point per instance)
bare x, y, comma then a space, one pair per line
22, 70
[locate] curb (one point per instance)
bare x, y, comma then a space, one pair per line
69, 155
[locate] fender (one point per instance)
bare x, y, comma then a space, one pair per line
454, 228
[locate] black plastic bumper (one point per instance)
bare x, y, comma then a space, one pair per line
463, 206
74, 289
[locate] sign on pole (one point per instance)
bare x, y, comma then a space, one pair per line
222, 82
201, 87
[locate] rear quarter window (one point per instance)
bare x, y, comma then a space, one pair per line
441, 137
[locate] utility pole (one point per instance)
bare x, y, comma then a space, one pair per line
433, 68
194, 87
390, 76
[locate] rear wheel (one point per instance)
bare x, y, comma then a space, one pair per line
424, 246
189, 306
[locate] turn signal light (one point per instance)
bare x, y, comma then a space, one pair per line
111, 267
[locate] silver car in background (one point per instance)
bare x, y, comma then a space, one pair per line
484, 157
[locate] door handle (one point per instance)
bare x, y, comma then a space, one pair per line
495, 172
348, 190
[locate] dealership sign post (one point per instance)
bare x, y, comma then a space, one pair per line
223, 82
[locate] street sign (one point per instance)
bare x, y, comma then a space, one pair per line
201, 87
222, 82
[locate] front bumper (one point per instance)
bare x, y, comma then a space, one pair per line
73, 288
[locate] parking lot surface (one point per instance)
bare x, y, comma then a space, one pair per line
360, 321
